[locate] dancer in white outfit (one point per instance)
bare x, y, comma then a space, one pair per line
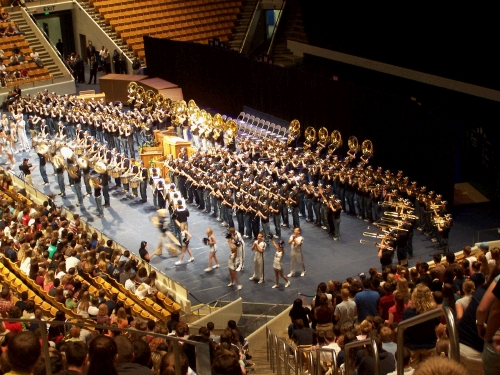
296, 241
212, 243
186, 237
278, 267
21, 133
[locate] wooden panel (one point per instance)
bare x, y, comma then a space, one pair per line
115, 85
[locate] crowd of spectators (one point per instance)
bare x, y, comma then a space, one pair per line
53, 251
374, 305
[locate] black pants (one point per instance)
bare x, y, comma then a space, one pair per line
93, 73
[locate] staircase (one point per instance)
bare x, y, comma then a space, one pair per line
106, 28
35, 44
262, 366
293, 28
242, 25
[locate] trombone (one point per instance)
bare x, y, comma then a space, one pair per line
395, 214
376, 244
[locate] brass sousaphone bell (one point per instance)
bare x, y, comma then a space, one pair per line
353, 144
58, 162
83, 162
310, 135
294, 130
367, 148
335, 141
230, 131
323, 135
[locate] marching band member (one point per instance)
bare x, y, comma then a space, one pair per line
21, 132
143, 183
98, 196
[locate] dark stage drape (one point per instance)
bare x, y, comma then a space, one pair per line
404, 136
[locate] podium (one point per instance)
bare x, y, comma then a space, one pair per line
173, 145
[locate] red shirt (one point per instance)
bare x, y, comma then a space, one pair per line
385, 304
398, 315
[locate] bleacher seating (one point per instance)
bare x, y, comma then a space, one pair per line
192, 20
34, 72
11, 275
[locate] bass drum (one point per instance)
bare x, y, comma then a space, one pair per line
100, 167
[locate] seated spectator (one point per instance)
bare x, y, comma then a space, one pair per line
76, 357
15, 50
167, 365
36, 58
9, 31
440, 366
143, 290
93, 309
102, 353
4, 16
302, 335
14, 313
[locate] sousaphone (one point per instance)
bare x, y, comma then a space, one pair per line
335, 141
294, 130
353, 144
367, 148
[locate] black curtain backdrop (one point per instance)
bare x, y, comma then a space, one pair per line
404, 136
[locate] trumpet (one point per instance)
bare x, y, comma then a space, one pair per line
376, 244
374, 235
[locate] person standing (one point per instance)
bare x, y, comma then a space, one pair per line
42, 168
136, 65
231, 266
144, 183
186, 237
79, 69
60, 47
277, 265
90, 52
98, 197
240, 248
105, 188
116, 61
27, 169
259, 247
296, 241
77, 184
123, 63
21, 133
93, 69
212, 244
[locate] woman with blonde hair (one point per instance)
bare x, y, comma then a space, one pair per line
461, 305
121, 318
421, 338
403, 289
364, 329
48, 282
83, 306
212, 244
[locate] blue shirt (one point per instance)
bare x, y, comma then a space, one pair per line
367, 304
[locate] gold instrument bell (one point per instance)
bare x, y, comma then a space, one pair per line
93, 182
367, 148
42, 149
83, 162
294, 130
353, 144
323, 135
310, 135
230, 130
335, 141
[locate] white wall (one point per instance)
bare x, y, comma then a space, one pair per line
85, 25
54, 28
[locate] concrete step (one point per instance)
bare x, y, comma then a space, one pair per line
262, 366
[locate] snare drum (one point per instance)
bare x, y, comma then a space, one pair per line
134, 184
79, 150
115, 174
125, 180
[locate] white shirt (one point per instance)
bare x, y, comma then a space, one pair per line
142, 291
72, 262
130, 285
26, 265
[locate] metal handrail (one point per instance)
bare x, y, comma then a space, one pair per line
61, 57
249, 26
303, 353
318, 359
281, 348
370, 341
266, 313
217, 301
275, 30
202, 351
432, 314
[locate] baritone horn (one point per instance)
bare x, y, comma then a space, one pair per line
376, 244
230, 131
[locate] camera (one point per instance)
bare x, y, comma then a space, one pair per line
270, 236
205, 241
